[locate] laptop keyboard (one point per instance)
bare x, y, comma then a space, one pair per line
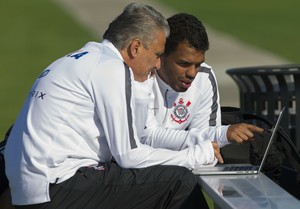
239, 168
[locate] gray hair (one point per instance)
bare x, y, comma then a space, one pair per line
136, 21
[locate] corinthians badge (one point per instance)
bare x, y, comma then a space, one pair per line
180, 112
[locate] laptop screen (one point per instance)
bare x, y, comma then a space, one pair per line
273, 134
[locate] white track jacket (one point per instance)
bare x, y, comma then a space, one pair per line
83, 109
177, 120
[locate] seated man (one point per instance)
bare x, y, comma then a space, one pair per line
185, 109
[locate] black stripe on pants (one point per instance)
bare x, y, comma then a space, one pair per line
112, 187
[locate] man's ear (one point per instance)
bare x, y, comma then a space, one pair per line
134, 47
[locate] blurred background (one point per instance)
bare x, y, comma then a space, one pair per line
242, 33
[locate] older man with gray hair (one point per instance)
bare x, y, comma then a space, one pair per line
82, 112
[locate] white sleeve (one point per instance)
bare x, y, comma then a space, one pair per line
158, 136
208, 115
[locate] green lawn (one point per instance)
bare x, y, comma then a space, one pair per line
33, 34
270, 24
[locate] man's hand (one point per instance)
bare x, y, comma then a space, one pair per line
217, 152
242, 132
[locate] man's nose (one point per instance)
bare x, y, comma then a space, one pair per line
192, 71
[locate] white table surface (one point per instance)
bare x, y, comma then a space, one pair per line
247, 192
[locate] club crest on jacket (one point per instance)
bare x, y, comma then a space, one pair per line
180, 112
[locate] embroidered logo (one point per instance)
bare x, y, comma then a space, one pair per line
180, 112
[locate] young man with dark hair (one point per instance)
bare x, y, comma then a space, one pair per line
185, 110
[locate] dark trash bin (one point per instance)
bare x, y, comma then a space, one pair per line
265, 90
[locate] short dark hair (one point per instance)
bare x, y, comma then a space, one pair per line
186, 27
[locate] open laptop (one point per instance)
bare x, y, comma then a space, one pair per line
223, 169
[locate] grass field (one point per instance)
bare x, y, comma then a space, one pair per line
269, 24
33, 34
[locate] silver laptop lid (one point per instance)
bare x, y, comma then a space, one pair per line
273, 134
